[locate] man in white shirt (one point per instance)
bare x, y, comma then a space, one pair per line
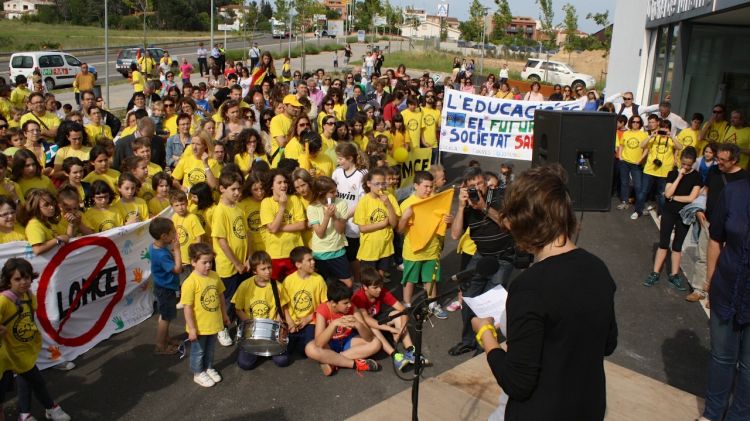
202, 54
665, 112
254, 55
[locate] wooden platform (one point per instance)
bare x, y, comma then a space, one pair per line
469, 392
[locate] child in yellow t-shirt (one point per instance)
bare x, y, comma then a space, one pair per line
139, 168
27, 172
142, 149
230, 240
202, 297
43, 228
161, 182
10, 230
100, 159
100, 217
253, 193
284, 218
188, 227
377, 215
306, 291
132, 209
202, 205
22, 341
255, 299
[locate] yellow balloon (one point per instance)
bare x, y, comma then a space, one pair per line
400, 155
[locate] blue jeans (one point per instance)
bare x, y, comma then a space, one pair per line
248, 361
628, 171
477, 286
646, 182
729, 365
202, 353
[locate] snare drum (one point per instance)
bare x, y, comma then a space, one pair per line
263, 337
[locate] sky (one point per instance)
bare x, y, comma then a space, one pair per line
460, 9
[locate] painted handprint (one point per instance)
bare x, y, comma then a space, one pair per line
54, 353
137, 275
118, 322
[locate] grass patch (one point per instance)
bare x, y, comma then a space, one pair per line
18, 36
311, 48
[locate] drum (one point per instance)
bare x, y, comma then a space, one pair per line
262, 337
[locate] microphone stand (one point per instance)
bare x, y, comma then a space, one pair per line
418, 313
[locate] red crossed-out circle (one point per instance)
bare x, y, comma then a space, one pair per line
111, 252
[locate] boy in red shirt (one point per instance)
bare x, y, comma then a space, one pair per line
376, 305
336, 344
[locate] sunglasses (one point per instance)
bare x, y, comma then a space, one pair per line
3, 126
718, 111
329, 103
329, 123
267, 119
303, 125
627, 99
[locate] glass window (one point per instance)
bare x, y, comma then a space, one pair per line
51, 61
72, 61
22, 62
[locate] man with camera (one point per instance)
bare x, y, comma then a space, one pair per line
479, 210
659, 150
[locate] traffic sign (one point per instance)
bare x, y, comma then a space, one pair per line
442, 10
229, 27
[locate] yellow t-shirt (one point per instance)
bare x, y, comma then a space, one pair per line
339, 110
430, 123
465, 244
138, 81
38, 233
203, 293
631, 145
96, 133
322, 164
280, 125
127, 131
386, 133
146, 192
251, 208
398, 140
100, 220
740, 137
6, 107
321, 116
689, 137
305, 295
48, 119
110, 177
189, 230
377, 244
16, 189
660, 147
204, 216
413, 124
257, 301
245, 163
18, 96
191, 170
156, 205
137, 207
16, 234
22, 341
65, 152
307, 233
328, 143
42, 182
431, 251
716, 132
293, 149
361, 142
153, 169
228, 222
280, 244
504, 95
170, 125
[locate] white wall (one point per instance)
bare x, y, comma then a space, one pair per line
629, 52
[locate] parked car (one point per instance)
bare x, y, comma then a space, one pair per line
128, 55
463, 44
555, 72
57, 68
487, 46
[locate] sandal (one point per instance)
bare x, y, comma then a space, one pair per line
460, 348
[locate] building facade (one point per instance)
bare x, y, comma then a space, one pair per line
689, 52
14, 9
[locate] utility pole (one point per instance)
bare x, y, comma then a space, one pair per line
484, 30
212, 25
106, 49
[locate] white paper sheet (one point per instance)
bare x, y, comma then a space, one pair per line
490, 304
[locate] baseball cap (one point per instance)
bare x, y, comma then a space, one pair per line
292, 100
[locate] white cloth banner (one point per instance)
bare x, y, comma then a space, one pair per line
492, 127
88, 289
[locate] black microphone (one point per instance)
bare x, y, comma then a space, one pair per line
486, 266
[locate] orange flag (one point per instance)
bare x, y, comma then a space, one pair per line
428, 219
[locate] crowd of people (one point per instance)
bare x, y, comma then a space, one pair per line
287, 202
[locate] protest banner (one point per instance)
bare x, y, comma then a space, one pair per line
419, 160
492, 127
88, 289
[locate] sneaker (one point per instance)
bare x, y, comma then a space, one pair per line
695, 296
65, 366
366, 365
651, 280
650, 208
622, 206
454, 306
180, 306
676, 281
203, 379
438, 311
400, 267
214, 375
56, 414
26, 417
224, 338
409, 355
634, 215
399, 361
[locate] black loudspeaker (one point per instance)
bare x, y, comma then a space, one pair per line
583, 143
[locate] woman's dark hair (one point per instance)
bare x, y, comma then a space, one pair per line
204, 194
158, 178
244, 136
268, 187
313, 140
19, 162
368, 177
336, 136
66, 126
10, 267
398, 118
96, 151
247, 186
101, 187
263, 114
539, 194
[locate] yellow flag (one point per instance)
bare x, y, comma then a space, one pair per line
428, 219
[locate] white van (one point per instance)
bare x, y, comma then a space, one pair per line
57, 68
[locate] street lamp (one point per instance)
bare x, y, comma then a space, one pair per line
212, 24
484, 31
291, 15
106, 49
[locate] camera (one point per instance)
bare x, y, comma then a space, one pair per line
657, 162
662, 132
473, 195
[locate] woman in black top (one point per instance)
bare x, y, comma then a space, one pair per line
560, 311
683, 186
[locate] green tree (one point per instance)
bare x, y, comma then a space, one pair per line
282, 10
471, 30
364, 12
266, 10
142, 7
570, 23
501, 19
394, 17
547, 16
602, 19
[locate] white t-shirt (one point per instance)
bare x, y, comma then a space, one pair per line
503, 73
202, 53
349, 188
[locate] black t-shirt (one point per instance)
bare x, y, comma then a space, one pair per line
716, 183
490, 238
684, 188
